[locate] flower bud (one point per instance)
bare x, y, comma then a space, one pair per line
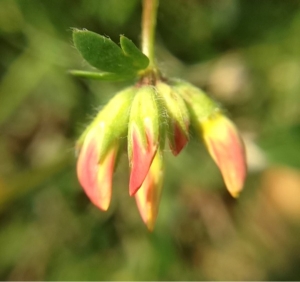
143, 135
98, 148
148, 196
178, 117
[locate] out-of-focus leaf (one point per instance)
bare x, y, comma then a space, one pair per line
282, 146
102, 53
113, 14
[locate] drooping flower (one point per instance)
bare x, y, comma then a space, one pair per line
219, 134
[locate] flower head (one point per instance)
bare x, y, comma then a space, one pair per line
147, 114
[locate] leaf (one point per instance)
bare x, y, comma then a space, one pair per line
106, 76
102, 53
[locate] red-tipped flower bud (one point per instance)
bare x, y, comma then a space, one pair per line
143, 135
98, 148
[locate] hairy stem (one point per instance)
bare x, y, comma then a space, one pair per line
148, 29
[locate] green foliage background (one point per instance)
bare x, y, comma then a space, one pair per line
244, 53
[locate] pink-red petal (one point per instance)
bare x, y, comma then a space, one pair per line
142, 157
148, 196
179, 141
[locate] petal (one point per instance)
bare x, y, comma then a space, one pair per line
141, 160
148, 196
96, 177
227, 150
179, 139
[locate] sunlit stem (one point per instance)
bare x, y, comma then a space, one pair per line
148, 29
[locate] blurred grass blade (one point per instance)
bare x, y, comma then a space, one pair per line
107, 76
25, 182
19, 81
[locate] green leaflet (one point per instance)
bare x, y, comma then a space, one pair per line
116, 62
139, 60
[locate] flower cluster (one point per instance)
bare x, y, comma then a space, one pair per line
148, 115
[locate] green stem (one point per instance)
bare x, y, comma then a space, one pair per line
148, 29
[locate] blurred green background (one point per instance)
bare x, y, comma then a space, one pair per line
246, 54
